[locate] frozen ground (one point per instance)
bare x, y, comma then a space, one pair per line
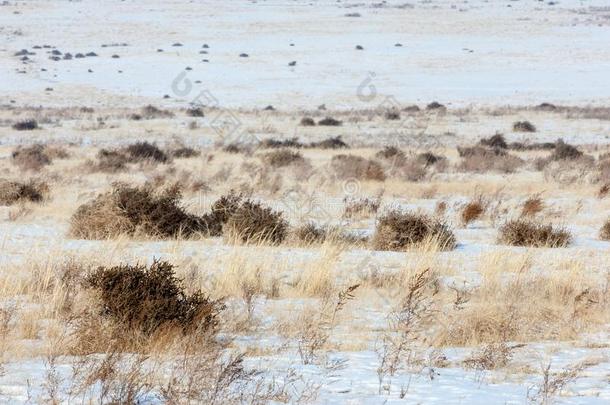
486, 52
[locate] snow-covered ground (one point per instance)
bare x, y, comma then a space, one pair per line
486, 52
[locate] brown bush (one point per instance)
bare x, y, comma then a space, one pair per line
310, 233
526, 233
564, 151
222, 210
110, 161
12, 192
428, 159
604, 232
390, 152
392, 115
136, 211
435, 105
31, 157
142, 151
281, 143
150, 112
532, 206
329, 122
195, 112
330, 143
351, 166
524, 126
25, 125
497, 141
254, 223
399, 231
308, 122
282, 158
520, 146
480, 159
185, 152
472, 211
147, 298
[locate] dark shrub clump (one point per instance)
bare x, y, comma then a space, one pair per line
141, 151
472, 211
357, 167
564, 151
604, 232
195, 112
281, 143
526, 233
497, 142
25, 125
399, 231
334, 142
390, 152
310, 233
147, 298
12, 192
329, 122
135, 211
307, 122
253, 223
524, 126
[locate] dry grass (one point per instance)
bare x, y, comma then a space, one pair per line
480, 159
526, 233
282, 158
532, 206
32, 158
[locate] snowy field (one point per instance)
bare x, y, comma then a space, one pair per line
338, 302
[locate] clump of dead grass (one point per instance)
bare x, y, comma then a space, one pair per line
528, 233
473, 210
400, 231
532, 206
12, 192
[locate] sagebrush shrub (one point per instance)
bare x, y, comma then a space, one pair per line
524, 126
334, 142
564, 151
527, 233
135, 211
185, 152
495, 141
329, 122
310, 233
25, 125
307, 122
141, 151
281, 143
147, 298
399, 231
254, 223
